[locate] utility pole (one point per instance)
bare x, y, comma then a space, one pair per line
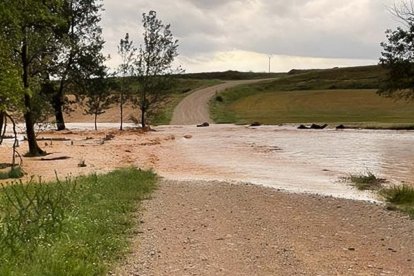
270, 57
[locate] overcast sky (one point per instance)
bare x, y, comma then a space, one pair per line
219, 35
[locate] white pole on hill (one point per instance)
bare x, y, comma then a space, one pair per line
270, 57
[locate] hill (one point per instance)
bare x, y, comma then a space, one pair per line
338, 95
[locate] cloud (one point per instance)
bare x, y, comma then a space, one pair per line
251, 61
332, 30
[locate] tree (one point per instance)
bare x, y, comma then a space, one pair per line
397, 56
154, 63
98, 97
127, 52
81, 37
11, 91
30, 27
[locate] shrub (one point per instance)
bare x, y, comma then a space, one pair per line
13, 173
219, 99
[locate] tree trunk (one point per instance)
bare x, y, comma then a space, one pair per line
60, 121
34, 149
2, 115
96, 118
121, 105
143, 110
2, 122
58, 107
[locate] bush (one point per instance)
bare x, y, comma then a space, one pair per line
13, 173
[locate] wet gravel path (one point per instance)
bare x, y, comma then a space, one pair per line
212, 228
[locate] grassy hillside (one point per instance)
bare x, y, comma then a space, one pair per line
364, 77
339, 95
230, 75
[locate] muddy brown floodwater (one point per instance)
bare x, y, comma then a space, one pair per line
305, 161
308, 161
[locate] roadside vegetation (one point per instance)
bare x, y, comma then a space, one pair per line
339, 95
71, 227
13, 172
366, 181
398, 197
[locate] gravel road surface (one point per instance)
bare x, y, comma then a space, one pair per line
194, 108
213, 228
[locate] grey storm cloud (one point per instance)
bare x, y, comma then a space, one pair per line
350, 29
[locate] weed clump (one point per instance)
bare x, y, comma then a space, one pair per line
366, 181
400, 198
14, 173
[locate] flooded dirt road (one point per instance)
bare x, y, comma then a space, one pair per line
309, 161
286, 158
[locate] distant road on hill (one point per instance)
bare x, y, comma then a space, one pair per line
194, 108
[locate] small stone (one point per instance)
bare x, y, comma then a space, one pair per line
351, 249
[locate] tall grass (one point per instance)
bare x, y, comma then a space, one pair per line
71, 227
400, 197
366, 181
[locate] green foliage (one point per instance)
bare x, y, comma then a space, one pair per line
400, 197
127, 51
78, 227
398, 58
12, 173
98, 96
11, 90
154, 64
31, 30
80, 45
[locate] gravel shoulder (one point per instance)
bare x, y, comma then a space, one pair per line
214, 228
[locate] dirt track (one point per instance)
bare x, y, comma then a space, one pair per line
212, 228
194, 108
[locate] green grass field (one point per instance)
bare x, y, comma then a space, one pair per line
315, 106
73, 227
345, 95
